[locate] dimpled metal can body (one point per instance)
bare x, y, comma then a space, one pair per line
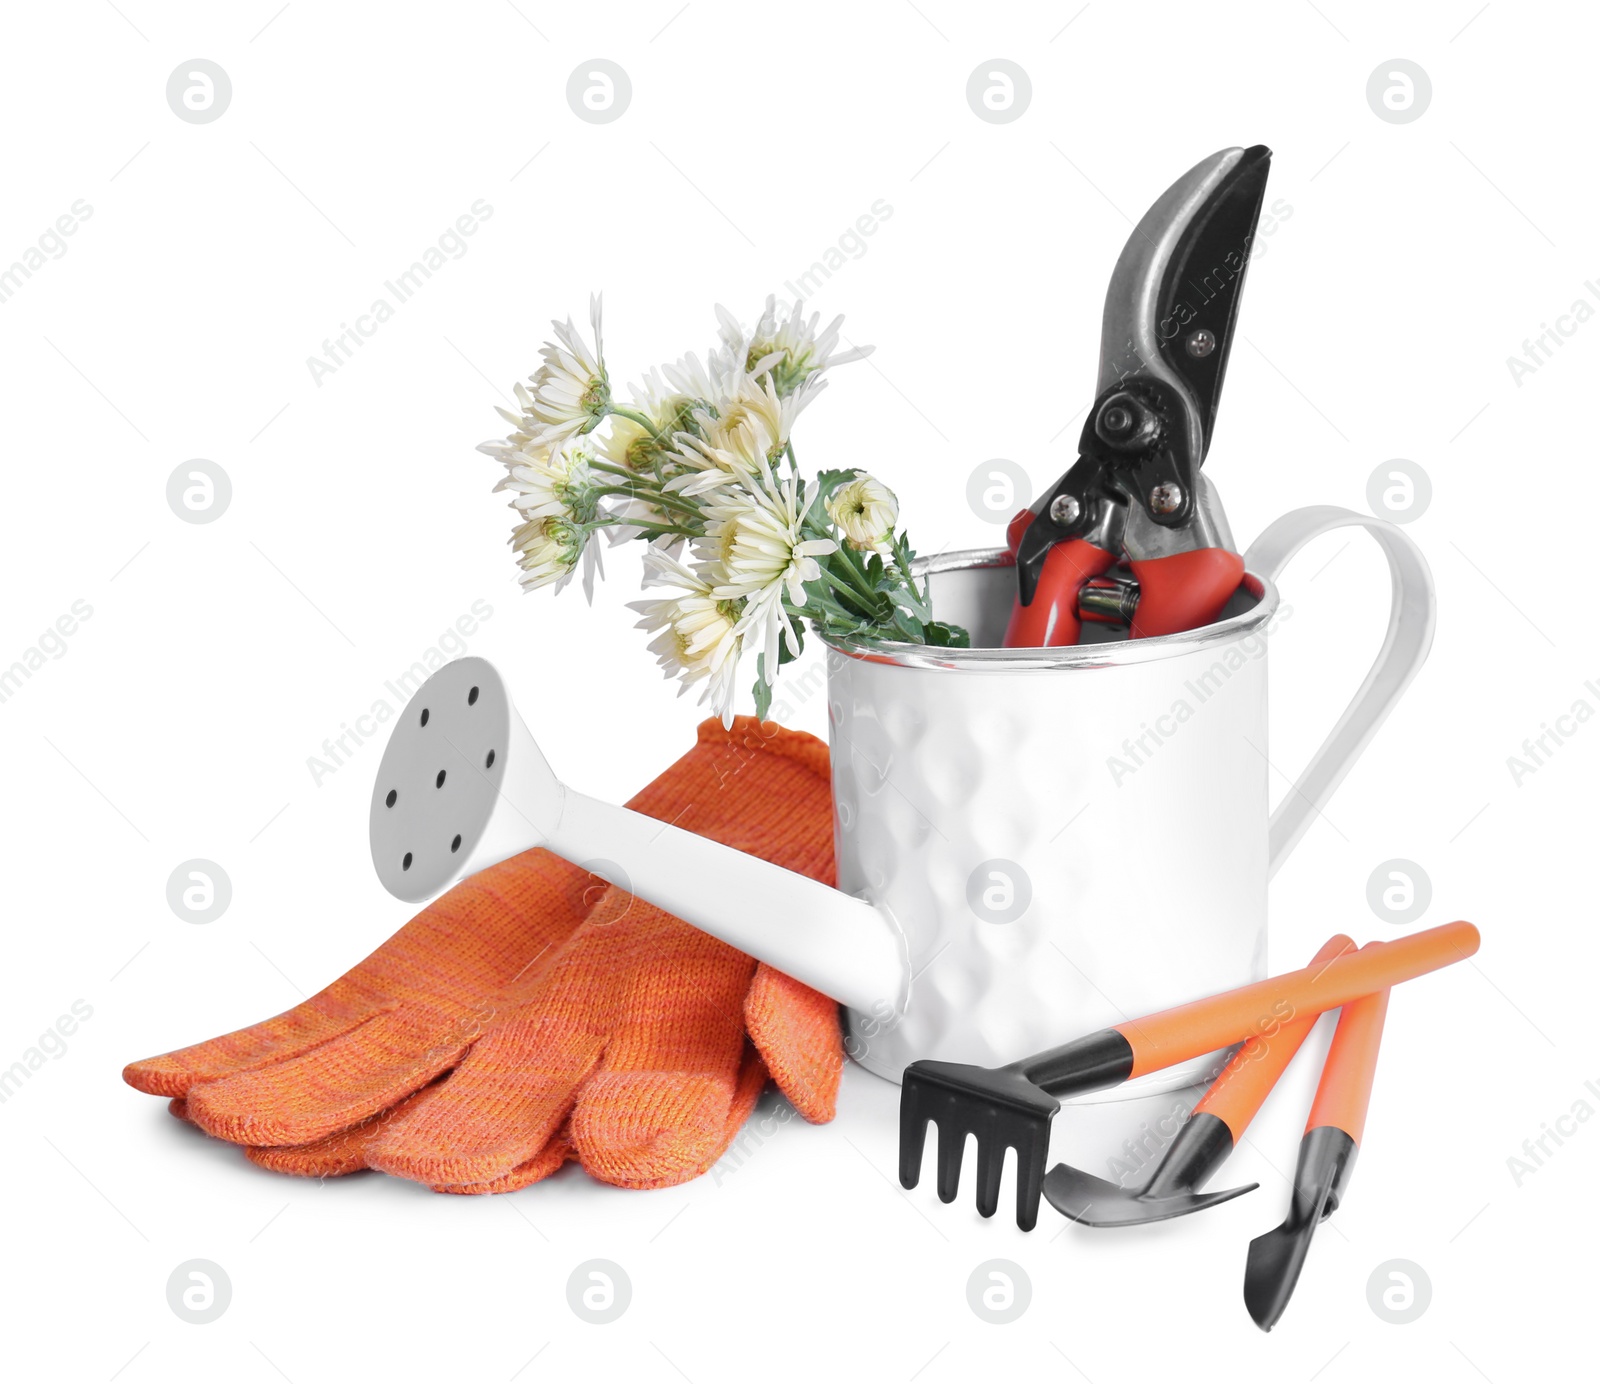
1070, 838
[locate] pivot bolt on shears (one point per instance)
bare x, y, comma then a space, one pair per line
1133, 535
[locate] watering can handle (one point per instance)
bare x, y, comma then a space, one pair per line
1405, 646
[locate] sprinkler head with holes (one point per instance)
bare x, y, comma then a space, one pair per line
440, 806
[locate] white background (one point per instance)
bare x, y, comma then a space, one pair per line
179, 719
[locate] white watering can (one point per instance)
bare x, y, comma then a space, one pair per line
1031, 843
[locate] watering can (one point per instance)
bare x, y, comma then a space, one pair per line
1031, 842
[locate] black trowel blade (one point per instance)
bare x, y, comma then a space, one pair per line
1327, 1154
1090, 1200
1273, 1268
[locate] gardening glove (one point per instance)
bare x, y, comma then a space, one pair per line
633, 1052
692, 1115
394, 1022
397, 1020
630, 1053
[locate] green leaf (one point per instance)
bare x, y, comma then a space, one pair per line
829, 481
941, 635
907, 626
763, 689
786, 654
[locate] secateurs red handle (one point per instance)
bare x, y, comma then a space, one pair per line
1167, 595
1051, 620
1183, 591
1327, 1156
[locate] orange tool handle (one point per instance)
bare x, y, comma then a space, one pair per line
1252, 1072
1346, 1085
1183, 591
1192, 1030
1050, 620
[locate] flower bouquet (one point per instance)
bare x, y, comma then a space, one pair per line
700, 465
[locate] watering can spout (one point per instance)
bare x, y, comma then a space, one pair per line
463, 785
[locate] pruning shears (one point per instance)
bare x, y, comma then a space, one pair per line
1134, 534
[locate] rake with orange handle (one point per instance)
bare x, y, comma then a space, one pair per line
1327, 1155
1202, 1145
1012, 1106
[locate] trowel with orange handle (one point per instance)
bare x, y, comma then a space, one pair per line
1012, 1106
1327, 1156
1205, 1140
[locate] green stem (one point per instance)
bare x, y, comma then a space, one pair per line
634, 416
651, 497
646, 525
612, 469
858, 578
849, 591
821, 608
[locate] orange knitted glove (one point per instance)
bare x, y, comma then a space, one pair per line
397, 1020
643, 1013
664, 1119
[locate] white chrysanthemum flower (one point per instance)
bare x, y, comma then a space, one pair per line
552, 482
744, 440
718, 378
571, 391
628, 444
633, 445
866, 512
703, 468
697, 635
754, 536
548, 551
792, 349
754, 419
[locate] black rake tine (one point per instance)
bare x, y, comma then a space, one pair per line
1031, 1156
952, 1144
991, 1160
913, 1139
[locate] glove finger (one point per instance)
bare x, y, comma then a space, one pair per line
756, 787
340, 1153
324, 1017
500, 1107
346, 1152
639, 1150
516, 1087
797, 1032
307, 1098
671, 1068
475, 939
548, 1160
335, 1156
